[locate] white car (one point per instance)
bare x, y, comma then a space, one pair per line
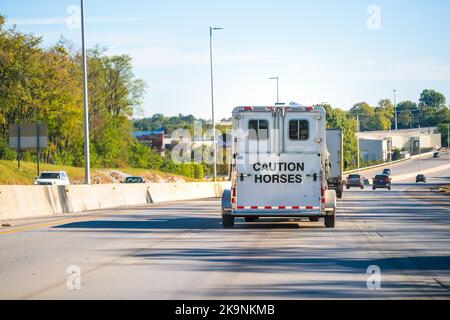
53, 178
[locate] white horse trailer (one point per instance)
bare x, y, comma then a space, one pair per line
279, 165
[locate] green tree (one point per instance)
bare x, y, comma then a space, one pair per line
365, 112
379, 122
386, 109
432, 99
337, 118
405, 119
443, 130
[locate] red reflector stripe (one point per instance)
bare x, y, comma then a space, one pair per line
277, 208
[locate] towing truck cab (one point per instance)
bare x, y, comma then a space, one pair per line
279, 165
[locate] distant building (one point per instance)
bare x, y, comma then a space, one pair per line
379, 145
152, 139
373, 150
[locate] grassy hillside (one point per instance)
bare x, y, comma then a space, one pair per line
9, 174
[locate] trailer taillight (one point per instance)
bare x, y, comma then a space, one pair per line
309, 108
248, 108
322, 193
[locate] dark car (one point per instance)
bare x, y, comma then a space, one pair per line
355, 181
381, 181
421, 178
387, 172
436, 155
134, 180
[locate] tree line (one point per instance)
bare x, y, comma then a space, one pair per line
430, 111
45, 85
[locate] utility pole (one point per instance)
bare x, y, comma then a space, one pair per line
211, 29
395, 109
357, 140
87, 168
278, 89
448, 141
420, 154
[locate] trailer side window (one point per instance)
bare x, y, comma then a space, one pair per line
299, 130
258, 129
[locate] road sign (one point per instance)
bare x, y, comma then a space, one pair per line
28, 136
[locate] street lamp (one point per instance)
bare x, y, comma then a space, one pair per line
87, 169
395, 108
278, 92
211, 29
357, 141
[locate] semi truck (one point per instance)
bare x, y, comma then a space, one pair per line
336, 161
280, 165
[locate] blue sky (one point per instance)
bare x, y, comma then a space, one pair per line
322, 50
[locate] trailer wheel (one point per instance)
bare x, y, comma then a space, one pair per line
339, 194
251, 219
330, 220
226, 201
227, 221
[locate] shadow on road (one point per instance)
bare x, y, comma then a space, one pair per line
185, 223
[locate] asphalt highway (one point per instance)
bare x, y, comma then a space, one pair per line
180, 251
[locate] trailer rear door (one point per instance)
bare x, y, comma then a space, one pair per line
278, 170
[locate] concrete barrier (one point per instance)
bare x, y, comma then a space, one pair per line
163, 192
423, 155
412, 175
21, 202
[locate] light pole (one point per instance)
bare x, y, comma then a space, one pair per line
420, 153
278, 92
211, 29
87, 169
395, 109
357, 140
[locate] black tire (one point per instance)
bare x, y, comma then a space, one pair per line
373, 188
362, 187
347, 187
227, 221
339, 194
251, 219
314, 219
330, 221
389, 188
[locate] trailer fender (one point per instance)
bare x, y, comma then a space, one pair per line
226, 201
330, 201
